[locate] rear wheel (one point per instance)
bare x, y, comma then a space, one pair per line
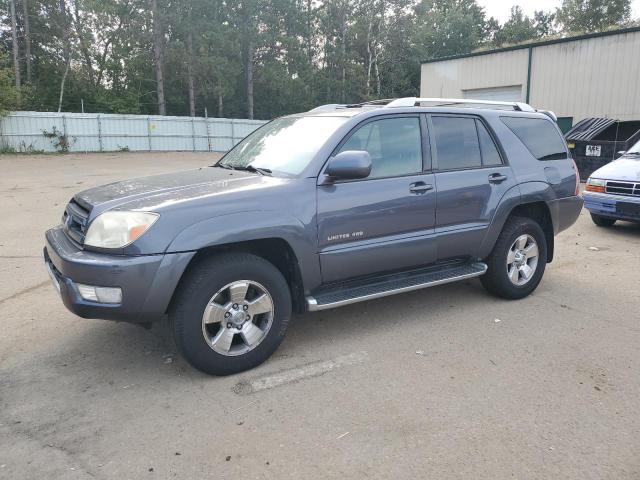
518, 260
230, 313
602, 221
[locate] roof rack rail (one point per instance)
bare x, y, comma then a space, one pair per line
328, 107
442, 102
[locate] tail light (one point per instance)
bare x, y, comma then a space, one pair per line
577, 173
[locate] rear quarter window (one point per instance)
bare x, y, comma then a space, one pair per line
539, 136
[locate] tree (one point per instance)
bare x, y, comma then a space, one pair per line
592, 15
9, 93
517, 29
14, 42
449, 27
158, 56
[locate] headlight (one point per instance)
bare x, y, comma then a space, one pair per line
595, 185
118, 229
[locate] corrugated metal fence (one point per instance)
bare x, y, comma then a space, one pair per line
98, 132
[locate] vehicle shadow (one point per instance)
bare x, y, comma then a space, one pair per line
109, 351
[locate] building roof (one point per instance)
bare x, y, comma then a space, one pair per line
576, 38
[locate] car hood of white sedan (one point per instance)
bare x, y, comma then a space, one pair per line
625, 168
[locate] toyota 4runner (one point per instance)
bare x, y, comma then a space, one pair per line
338, 205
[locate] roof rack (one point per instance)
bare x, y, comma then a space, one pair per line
443, 102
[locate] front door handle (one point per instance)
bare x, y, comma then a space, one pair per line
497, 178
420, 188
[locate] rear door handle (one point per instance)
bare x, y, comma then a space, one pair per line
497, 178
420, 187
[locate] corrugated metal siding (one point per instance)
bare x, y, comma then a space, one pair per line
448, 79
24, 131
594, 77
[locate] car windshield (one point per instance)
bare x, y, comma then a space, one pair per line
285, 145
635, 150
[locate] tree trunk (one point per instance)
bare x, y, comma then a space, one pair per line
310, 32
343, 52
190, 81
14, 39
158, 57
369, 58
77, 21
248, 77
220, 104
27, 38
66, 50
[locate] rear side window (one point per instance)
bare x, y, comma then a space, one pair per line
539, 136
490, 155
456, 143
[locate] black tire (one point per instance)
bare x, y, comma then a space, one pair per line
496, 280
200, 283
602, 221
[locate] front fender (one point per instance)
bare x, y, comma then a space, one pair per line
255, 225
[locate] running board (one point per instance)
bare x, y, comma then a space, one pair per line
353, 292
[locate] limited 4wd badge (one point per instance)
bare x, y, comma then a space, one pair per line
593, 150
344, 236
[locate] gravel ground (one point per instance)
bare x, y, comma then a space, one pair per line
442, 383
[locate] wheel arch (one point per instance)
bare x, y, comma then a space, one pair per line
275, 250
537, 210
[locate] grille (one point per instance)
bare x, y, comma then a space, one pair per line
75, 221
623, 188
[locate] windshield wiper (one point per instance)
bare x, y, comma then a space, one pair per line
631, 153
246, 168
251, 168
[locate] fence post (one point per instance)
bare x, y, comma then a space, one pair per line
100, 132
206, 121
233, 134
193, 134
64, 131
149, 131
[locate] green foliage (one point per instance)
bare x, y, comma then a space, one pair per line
593, 15
61, 141
295, 54
9, 94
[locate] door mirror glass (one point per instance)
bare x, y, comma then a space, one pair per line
349, 165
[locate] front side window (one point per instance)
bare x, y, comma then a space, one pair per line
394, 145
539, 136
456, 143
285, 145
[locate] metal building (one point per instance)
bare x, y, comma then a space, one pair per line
595, 75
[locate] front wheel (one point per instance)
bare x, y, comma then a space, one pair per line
230, 313
602, 221
518, 260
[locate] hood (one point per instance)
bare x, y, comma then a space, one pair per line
174, 187
624, 168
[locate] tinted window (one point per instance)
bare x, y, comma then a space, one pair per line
393, 143
539, 136
490, 155
456, 143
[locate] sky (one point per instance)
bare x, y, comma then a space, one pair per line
501, 8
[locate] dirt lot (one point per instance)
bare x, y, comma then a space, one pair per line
442, 383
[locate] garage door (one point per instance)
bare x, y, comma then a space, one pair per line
512, 93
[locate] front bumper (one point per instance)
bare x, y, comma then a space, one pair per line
607, 205
147, 281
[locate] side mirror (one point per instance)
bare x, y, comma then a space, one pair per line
620, 153
349, 165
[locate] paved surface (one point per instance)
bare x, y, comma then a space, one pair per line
442, 383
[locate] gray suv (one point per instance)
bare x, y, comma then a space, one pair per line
338, 205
